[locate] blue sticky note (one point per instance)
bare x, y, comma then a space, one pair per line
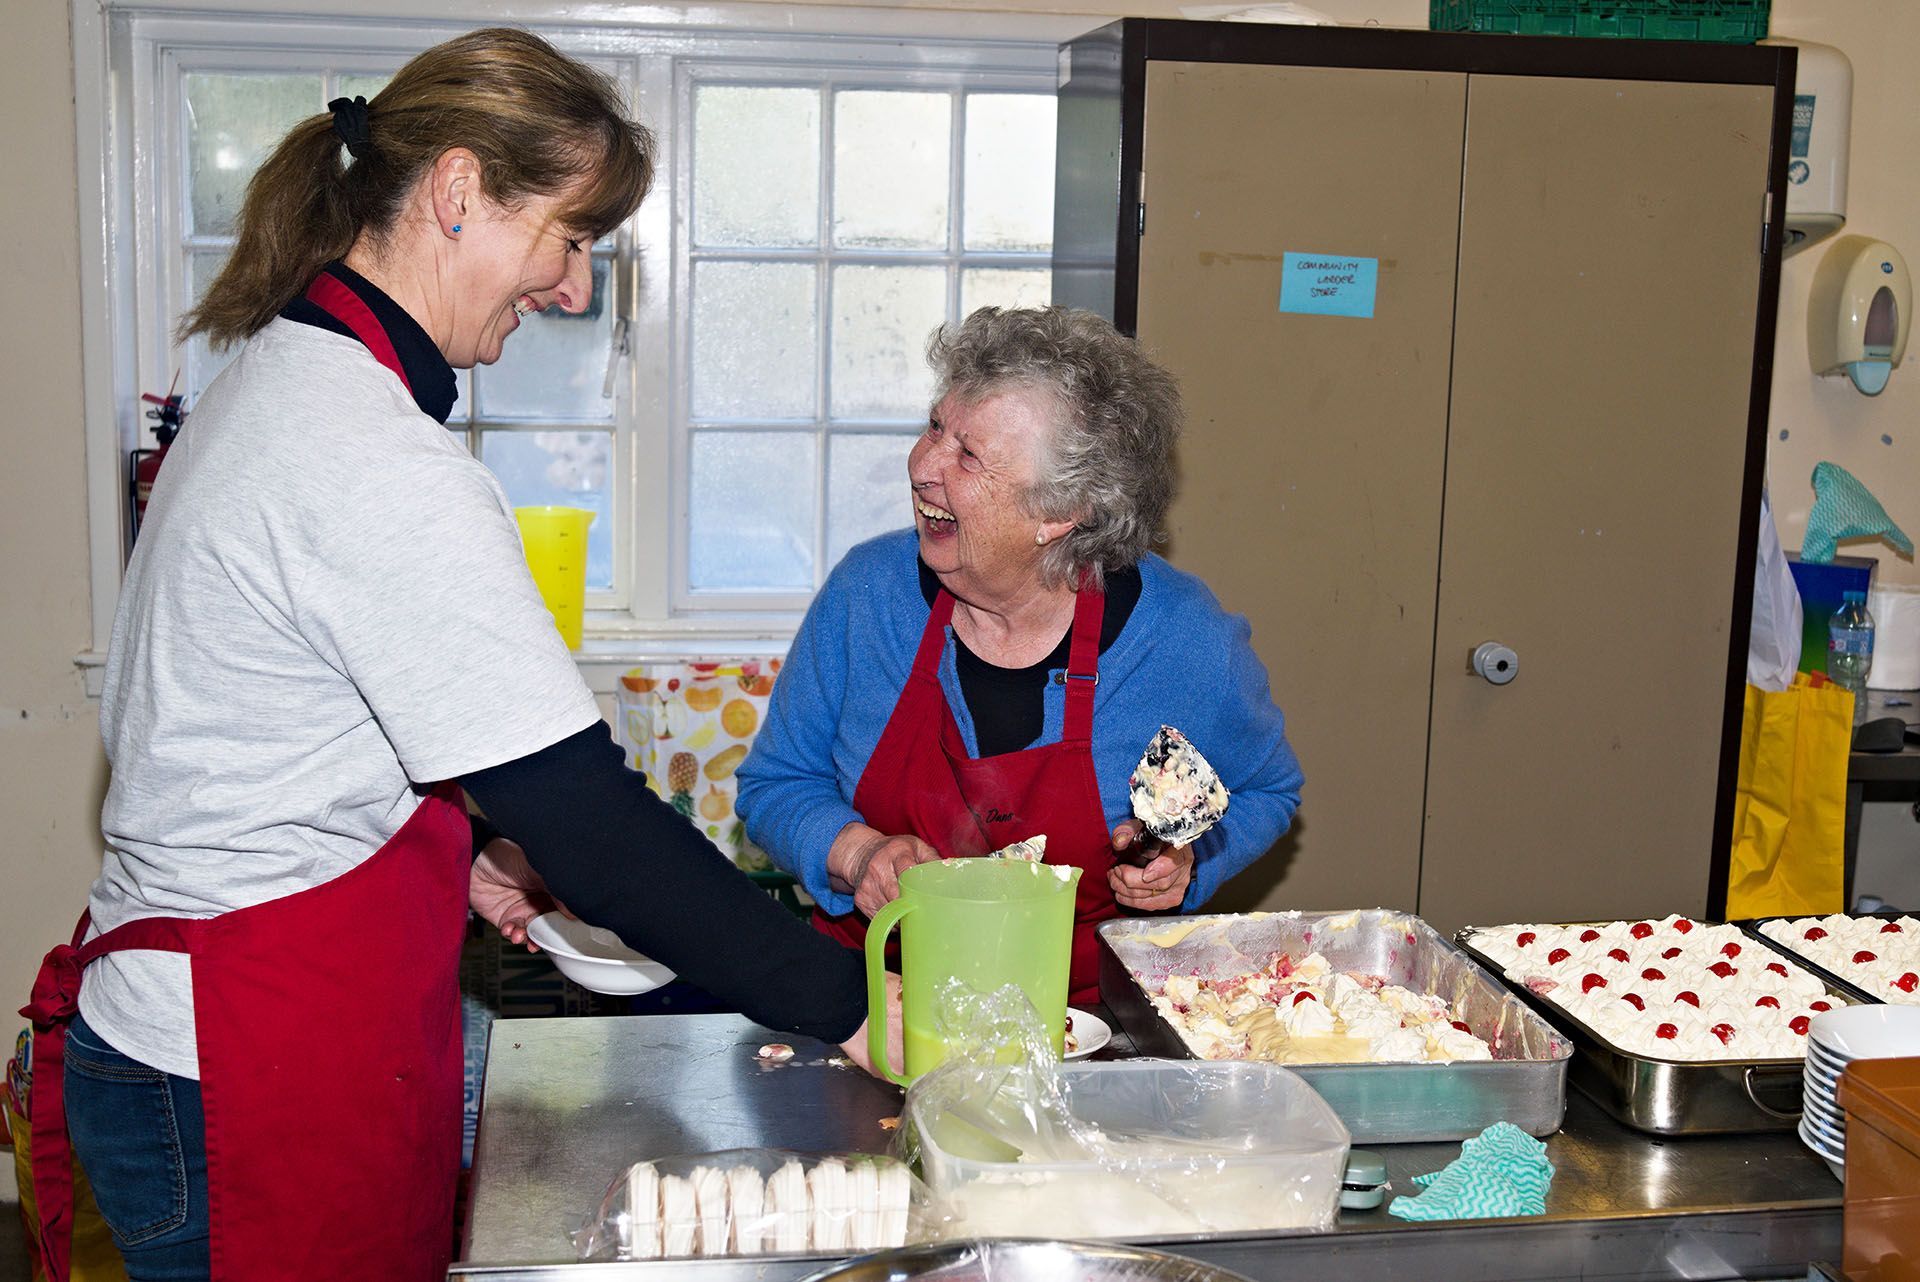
1328, 284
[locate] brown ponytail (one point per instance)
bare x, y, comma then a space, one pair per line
537, 120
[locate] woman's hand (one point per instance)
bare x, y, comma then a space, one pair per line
506, 890
867, 864
856, 1046
1161, 885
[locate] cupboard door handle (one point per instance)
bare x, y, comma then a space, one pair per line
1496, 662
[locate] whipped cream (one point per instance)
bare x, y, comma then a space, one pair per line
1673, 989
1174, 791
1879, 956
1305, 1012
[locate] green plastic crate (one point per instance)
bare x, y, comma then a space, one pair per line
1723, 21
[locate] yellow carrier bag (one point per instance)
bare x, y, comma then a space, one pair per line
1790, 813
95, 1258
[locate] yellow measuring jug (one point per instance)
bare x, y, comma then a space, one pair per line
985, 922
556, 542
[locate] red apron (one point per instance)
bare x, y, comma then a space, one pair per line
329, 1037
921, 781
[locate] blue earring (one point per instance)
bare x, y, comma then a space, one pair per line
456, 229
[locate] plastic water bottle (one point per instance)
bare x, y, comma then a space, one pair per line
1850, 648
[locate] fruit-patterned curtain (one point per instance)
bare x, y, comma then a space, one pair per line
688, 726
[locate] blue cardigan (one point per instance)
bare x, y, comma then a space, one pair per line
1181, 661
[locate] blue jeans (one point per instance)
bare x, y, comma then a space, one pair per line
141, 1137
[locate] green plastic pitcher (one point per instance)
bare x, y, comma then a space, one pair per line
985, 922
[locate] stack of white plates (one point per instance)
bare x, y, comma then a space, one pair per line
1834, 1040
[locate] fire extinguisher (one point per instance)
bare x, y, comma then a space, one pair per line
167, 417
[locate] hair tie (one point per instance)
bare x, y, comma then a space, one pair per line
350, 123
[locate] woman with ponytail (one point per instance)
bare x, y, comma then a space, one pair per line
327, 632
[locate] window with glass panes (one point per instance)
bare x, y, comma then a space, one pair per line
537, 417
815, 218
831, 227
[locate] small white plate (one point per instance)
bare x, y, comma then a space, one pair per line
1090, 1031
1868, 1032
595, 959
1831, 1152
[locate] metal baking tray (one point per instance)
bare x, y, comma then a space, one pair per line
1526, 1082
1668, 1096
1752, 926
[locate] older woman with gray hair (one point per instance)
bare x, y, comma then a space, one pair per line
994, 673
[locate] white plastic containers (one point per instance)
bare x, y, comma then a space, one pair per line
1188, 1148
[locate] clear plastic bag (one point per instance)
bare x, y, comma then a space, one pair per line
755, 1201
1011, 1143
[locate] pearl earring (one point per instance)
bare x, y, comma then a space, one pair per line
1040, 538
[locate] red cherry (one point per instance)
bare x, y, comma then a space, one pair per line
1689, 997
1862, 957
1524, 938
1633, 998
1907, 982
1557, 956
1777, 969
1726, 970
1669, 954
1304, 997
1588, 935
1723, 1031
1618, 954
1667, 1032
1769, 1001
1730, 949
1461, 1025
1683, 925
1653, 974
1814, 932
1891, 928
1640, 930
1591, 982
1822, 1007
1799, 1024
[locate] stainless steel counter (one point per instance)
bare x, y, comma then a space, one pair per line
567, 1102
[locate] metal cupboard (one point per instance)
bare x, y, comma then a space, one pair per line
1547, 433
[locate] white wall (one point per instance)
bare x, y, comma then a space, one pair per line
51, 772
1825, 418
52, 776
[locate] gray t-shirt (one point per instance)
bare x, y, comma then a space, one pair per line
328, 604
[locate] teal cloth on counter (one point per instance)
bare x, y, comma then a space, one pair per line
1501, 1171
1844, 509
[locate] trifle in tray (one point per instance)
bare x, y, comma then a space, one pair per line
1879, 955
1672, 988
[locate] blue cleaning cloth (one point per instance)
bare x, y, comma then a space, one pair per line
1501, 1171
1843, 509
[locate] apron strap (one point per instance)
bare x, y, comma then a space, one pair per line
1083, 664
933, 638
332, 296
55, 1001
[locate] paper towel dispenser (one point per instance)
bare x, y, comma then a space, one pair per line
1859, 311
1817, 147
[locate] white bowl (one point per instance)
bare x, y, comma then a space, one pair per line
1868, 1032
595, 959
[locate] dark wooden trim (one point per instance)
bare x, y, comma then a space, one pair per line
1740, 622
1398, 50
1133, 143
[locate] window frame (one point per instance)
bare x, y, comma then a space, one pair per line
134, 256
